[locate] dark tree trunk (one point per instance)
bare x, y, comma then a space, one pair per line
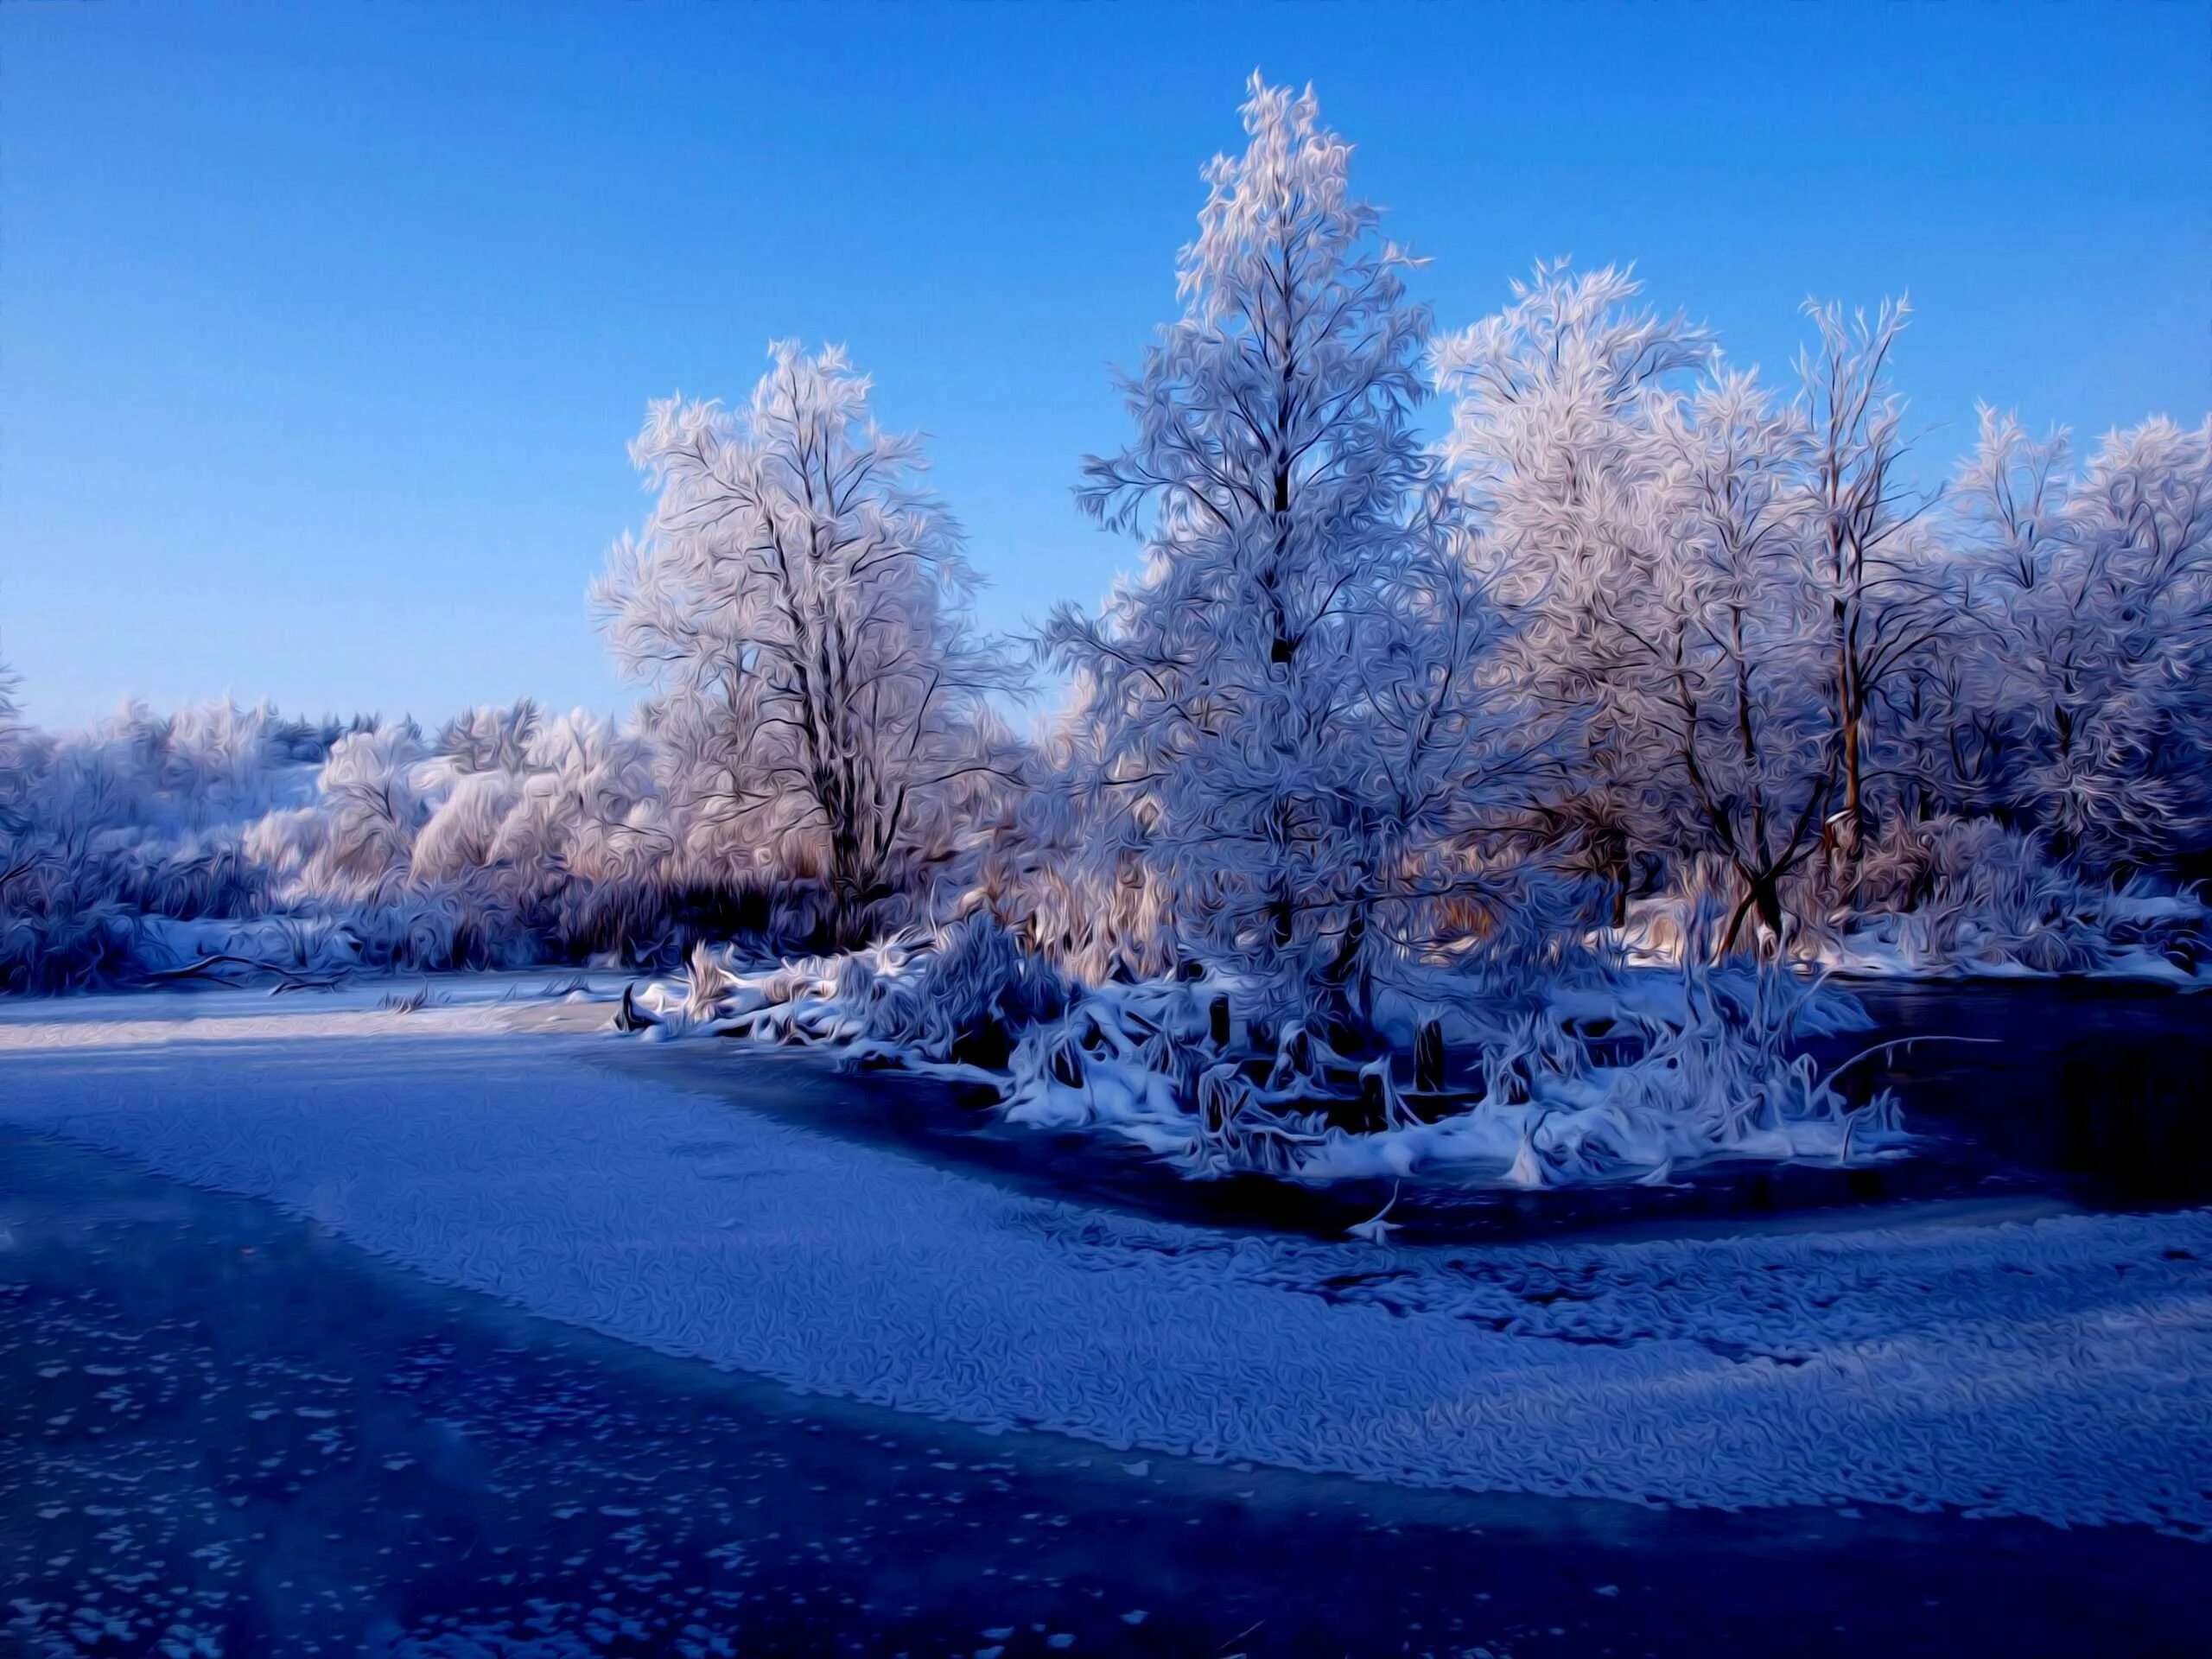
1428, 1057
1766, 899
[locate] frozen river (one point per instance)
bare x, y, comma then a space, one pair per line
372, 1395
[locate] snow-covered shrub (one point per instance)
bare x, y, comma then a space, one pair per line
520, 838
352, 845
961, 995
977, 991
490, 738
1970, 893
59, 932
137, 820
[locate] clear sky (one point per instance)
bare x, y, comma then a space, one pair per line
323, 329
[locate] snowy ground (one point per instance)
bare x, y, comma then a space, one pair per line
2061, 1369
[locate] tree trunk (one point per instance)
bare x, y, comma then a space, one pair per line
1428, 1057
1855, 799
1766, 899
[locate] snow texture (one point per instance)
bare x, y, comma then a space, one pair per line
2061, 1369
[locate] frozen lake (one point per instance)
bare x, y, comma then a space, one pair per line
372, 1393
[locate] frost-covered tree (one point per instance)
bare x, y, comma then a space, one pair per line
1554, 451
1884, 602
1646, 516
2096, 648
490, 738
1285, 715
798, 598
1734, 675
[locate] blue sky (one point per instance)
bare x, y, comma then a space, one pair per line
323, 329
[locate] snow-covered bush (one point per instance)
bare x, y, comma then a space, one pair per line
962, 995
521, 838
1970, 894
138, 820
229, 844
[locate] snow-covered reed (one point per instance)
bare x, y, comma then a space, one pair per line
1968, 896
1558, 1080
1953, 896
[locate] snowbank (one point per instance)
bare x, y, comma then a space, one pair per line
2061, 1369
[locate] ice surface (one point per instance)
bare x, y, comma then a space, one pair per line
2060, 1369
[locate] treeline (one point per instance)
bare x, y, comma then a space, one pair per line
1646, 643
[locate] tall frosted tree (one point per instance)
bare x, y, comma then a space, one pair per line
1886, 599
799, 598
1730, 689
1282, 715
